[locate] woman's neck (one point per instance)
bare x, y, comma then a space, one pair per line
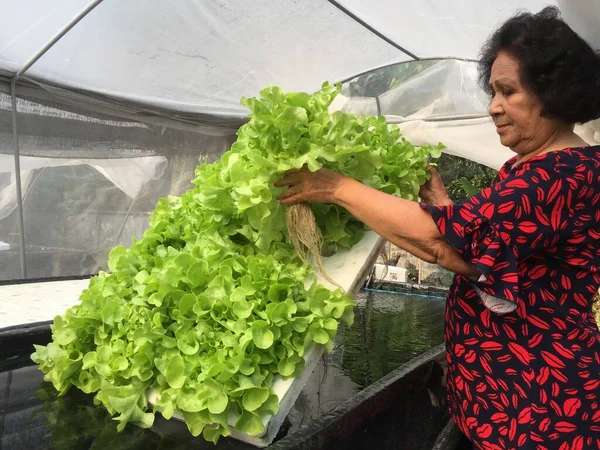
566, 139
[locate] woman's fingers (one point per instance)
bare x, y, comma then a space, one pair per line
288, 180
290, 192
292, 200
307, 186
292, 196
291, 177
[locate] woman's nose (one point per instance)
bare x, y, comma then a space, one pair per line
495, 108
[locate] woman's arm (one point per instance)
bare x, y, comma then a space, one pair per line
402, 222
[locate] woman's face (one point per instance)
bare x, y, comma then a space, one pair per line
516, 111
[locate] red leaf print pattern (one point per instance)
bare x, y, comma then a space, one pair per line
558, 375
552, 360
565, 427
523, 351
577, 443
538, 322
517, 184
499, 417
519, 352
487, 210
541, 216
556, 216
506, 207
491, 346
571, 406
527, 227
525, 416
563, 351
484, 430
554, 190
538, 272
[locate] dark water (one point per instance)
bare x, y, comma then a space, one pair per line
389, 330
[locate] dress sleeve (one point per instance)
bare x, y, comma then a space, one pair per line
502, 226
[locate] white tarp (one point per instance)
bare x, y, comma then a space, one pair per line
197, 56
434, 28
202, 56
443, 103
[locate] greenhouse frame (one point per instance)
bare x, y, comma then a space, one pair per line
107, 106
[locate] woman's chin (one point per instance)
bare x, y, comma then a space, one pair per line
506, 141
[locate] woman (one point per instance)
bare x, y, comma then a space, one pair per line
523, 349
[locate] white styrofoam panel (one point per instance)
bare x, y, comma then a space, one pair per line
38, 302
348, 268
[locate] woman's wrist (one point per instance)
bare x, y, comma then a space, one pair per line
444, 201
438, 200
343, 192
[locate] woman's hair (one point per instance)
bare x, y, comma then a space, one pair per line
554, 63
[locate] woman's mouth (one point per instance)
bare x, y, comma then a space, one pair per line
501, 128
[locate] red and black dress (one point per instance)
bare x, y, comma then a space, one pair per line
523, 349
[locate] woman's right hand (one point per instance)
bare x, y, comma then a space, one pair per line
433, 192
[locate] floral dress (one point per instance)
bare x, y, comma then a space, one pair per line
523, 349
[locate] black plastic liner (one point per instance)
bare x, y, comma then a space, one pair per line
16, 343
404, 410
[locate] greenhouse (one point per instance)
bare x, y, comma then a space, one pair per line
107, 107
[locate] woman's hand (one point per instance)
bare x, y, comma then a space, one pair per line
433, 192
305, 186
402, 222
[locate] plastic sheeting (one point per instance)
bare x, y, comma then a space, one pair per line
75, 211
30, 27
89, 183
127, 174
198, 56
430, 29
441, 103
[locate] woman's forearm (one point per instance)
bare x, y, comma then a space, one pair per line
402, 222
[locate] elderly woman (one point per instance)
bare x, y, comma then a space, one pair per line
523, 349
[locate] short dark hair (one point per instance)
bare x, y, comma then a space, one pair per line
555, 63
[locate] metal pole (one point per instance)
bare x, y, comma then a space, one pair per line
133, 200
13, 95
55, 39
371, 29
378, 104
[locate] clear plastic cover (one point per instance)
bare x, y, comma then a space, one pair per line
436, 101
88, 184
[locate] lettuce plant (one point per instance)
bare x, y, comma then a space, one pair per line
212, 303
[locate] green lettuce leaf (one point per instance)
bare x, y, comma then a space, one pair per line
210, 305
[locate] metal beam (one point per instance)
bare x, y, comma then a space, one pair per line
374, 69
371, 29
55, 39
13, 95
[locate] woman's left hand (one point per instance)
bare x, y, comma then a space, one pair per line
305, 186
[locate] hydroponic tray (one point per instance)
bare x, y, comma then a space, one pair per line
349, 269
